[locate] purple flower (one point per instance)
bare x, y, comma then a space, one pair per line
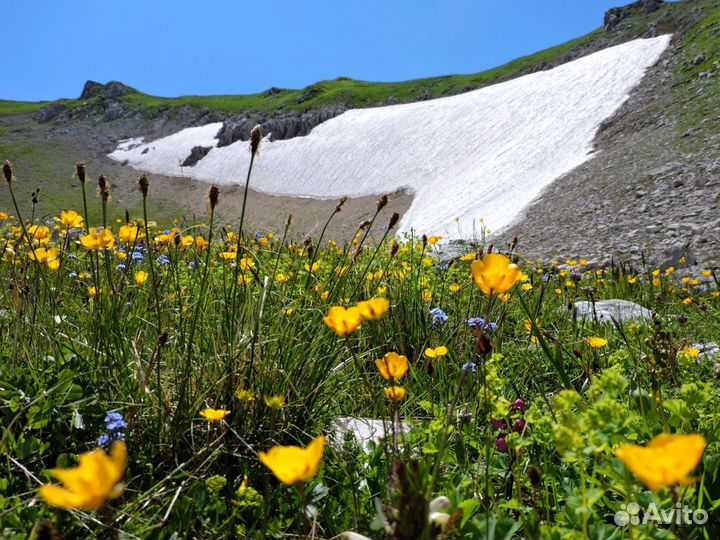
519, 405
469, 367
501, 445
519, 425
499, 424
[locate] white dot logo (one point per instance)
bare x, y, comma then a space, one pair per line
628, 514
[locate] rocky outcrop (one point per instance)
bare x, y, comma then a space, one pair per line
111, 90
51, 112
196, 154
615, 15
278, 126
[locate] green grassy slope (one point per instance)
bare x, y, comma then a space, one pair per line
355, 94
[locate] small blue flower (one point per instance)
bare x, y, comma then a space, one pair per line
479, 322
137, 256
162, 259
439, 316
72, 275
103, 440
121, 267
470, 367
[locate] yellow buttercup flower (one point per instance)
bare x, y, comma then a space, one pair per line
247, 396
228, 255
437, 352
46, 256
315, 268
246, 264
495, 274
214, 415
275, 402
89, 485
597, 342
97, 240
71, 219
200, 243
292, 464
128, 234
140, 277
691, 352
40, 233
468, 257
375, 309
666, 461
392, 366
455, 288
395, 393
343, 321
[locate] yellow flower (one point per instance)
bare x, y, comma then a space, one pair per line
495, 274
454, 288
343, 321
527, 287
395, 393
200, 243
374, 309
282, 278
43, 256
292, 464
97, 240
89, 485
275, 402
71, 219
140, 277
228, 255
128, 234
392, 366
427, 295
597, 342
214, 415
245, 395
707, 273
468, 257
40, 233
434, 239
246, 264
691, 352
687, 301
666, 461
632, 280
437, 352
314, 268
92, 291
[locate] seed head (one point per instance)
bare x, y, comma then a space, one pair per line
340, 204
381, 202
103, 188
288, 222
365, 224
143, 185
213, 195
394, 247
255, 138
80, 171
8, 171
393, 220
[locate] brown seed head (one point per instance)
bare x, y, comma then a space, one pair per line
8, 171
365, 224
340, 204
288, 222
424, 241
307, 240
103, 188
143, 185
255, 138
80, 171
393, 220
490, 248
381, 202
176, 239
213, 196
394, 247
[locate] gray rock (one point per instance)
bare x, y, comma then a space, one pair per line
666, 170
196, 154
51, 112
671, 255
90, 88
114, 110
607, 311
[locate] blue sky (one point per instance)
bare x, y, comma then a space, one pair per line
180, 47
